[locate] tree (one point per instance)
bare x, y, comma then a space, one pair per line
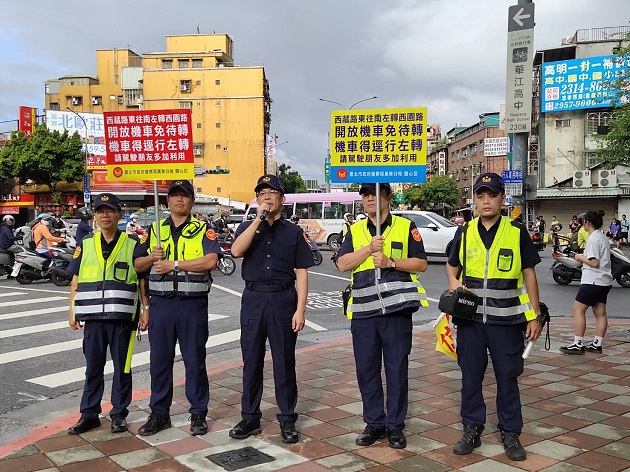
440, 189
292, 181
47, 158
614, 147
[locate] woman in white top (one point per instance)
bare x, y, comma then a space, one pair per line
595, 284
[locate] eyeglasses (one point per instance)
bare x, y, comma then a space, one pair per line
268, 192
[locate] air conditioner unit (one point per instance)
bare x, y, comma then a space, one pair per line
95, 101
197, 152
139, 101
184, 88
582, 179
607, 178
75, 101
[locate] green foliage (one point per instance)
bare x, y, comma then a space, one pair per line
614, 148
48, 158
293, 182
440, 189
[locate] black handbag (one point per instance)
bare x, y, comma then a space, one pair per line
462, 303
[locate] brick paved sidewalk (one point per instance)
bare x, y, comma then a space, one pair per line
576, 410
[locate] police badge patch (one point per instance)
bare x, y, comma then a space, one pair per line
77, 252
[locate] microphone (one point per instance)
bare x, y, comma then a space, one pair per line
263, 215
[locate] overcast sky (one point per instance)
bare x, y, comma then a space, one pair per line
447, 55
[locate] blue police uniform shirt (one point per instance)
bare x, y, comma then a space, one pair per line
415, 248
83, 229
276, 251
210, 246
529, 254
107, 248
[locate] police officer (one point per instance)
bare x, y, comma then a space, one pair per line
500, 261
179, 281
381, 318
103, 264
275, 262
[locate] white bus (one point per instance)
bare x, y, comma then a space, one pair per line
321, 214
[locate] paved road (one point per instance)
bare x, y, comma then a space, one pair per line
41, 357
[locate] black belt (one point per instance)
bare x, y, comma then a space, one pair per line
269, 287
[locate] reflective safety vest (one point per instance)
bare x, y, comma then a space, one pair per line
107, 288
397, 290
495, 275
189, 246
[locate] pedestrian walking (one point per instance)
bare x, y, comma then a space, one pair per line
500, 261
276, 257
595, 285
104, 296
380, 315
179, 281
625, 227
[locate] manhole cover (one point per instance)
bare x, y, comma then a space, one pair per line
239, 458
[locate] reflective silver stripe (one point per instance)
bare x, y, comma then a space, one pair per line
107, 294
490, 293
168, 286
385, 287
509, 311
395, 299
100, 308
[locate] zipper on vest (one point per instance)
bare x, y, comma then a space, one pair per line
103, 289
175, 258
485, 284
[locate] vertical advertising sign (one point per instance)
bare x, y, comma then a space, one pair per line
149, 145
388, 145
520, 60
28, 119
271, 154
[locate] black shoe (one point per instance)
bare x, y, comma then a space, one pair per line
245, 429
155, 424
119, 423
396, 439
469, 441
369, 435
288, 432
513, 447
572, 349
198, 425
590, 347
84, 425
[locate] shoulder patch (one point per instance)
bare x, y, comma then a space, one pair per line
143, 238
416, 235
77, 252
211, 235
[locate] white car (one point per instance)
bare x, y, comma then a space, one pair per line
437, 232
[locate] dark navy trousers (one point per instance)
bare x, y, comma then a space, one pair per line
268, 315
97, 336
505, 345
186, 321
383, 339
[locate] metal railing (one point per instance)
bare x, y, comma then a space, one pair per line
610, 33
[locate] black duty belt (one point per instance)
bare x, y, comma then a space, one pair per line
269, 287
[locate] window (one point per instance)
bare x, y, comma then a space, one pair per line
336, 210
55, 106
46, 88
563, 123
198, 82
218, 147
218, 189
589, 159
197, 63
77, 101
121, 100
167, 63
218, 125
198, 149
597, 122
311, 210
185, 86
184, 63
198, 125
217, 82
287, 210
185, 105
218, 103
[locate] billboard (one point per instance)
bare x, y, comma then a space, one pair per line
68, 121
149, 145
579, 84
387, 145
495, 147
28, 119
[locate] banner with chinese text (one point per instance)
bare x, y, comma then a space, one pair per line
28, 119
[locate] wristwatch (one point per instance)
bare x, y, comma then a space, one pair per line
145, 307
392, 264
540, 319
176, 268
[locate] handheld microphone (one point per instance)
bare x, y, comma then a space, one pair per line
263, 215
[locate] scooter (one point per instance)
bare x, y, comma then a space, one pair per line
226, 264
315, 252
5, 264
566, 269
29, 266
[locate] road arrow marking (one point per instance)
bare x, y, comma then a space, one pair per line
519, 16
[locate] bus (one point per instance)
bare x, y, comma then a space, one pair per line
321, 214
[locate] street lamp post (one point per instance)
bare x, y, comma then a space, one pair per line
88, 203
350, 108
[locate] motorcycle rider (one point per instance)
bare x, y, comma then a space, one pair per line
83, 228
56, 223
43, 239
221, 226
132, 226
7, 238
349, 219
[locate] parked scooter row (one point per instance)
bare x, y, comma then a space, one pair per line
566, 269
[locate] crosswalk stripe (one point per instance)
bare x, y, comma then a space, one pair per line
77, 375
11, 294
7, 333
31, 300
39, 351
41, 311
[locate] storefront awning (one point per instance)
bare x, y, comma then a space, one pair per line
578, 192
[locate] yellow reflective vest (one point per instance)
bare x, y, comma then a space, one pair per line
397, 290
495, 275
107, 289
189, 246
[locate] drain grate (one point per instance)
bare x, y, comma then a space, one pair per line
239, 458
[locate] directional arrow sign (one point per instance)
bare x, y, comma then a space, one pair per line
521, 17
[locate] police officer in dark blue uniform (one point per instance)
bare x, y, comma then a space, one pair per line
276, 257
500, 260
178, 285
